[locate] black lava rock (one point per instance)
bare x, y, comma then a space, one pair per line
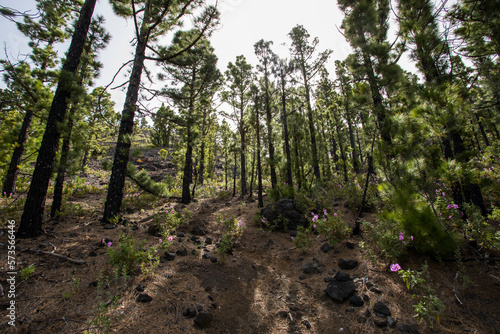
339, 291
144, 298
182, 252
356, 301
203, 319
169, 256
347, 264
284, 215
325, 248
189, 312
342, 276
381, 310
310, 268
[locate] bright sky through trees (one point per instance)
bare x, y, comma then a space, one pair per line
243, 23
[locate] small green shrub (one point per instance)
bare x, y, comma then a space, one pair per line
27, 272
128, 256
303, 239
331, 226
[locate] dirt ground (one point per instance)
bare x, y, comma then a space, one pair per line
260, 288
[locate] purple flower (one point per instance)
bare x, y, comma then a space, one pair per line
324, 212
109, 244
401, 236
103, 242
159, 241
411, 237
314, 226
170, 238
239, 223
395, 267
335, 214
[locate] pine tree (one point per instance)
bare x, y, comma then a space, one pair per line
157, 18
239, 78
302, 52
31, 220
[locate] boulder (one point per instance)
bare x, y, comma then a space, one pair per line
284, 216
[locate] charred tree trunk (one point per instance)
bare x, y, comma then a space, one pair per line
9, 184
114, 198
32, 218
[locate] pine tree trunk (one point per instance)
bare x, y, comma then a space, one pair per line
61, 171
234, 172
288, 155
114, 198
9, 184
272, 165
32, 218
312, 131
259, 164
201, 170
243, 163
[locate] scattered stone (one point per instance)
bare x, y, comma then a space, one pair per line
203, 319
369, 284
180, 239
135, 228
356, 301
339, 291
169, 256
350, 310
214, 305
208, 241
391, 322
302, 277
367, 313
199, 307
139, 288
350, 245
208, 289
381, 310
284, 215
327, 279
325, 248
405, 329
180, 234
342, 276
92, 254
269, 243
193, 251
366, 298
213, 259
189, 312
283, 314
380, 322
110, 227
144, 298
307, 324
361, 319
347, 264
198, 231
311, 268
153, 230
206, 256
195, 240
93, 284
182, 252
293, 233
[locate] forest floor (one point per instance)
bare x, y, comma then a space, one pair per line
261, 287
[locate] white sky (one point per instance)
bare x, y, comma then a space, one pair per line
244, 22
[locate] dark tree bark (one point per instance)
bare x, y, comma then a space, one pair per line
114, 198
10, 179
32, 218
286, 136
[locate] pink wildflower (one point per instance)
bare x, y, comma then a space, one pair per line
395, 267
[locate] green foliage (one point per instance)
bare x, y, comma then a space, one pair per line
230, 230
74, 288
128, 256
429, 307
409, 213
303, 239
330, 226
27, 272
